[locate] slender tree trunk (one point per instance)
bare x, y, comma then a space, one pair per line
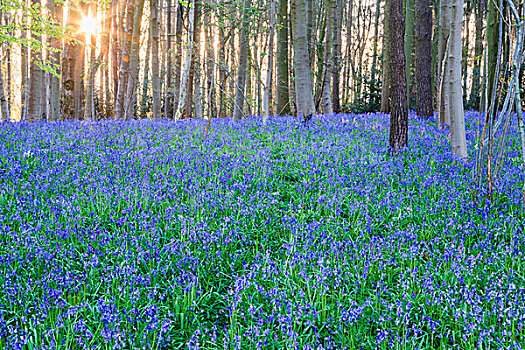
4, 103
475, 93
443, 52
399, 106
4, 106
387, 68
134, 63
327, 67
492, 37
169, 68
283, 87
197, 82
34, 108
243, 62
424, 58
336, 69
409, 47
89, 108
303, 78
465, 50
25, 53
177, 64
373, 98
9, 53
183, 91
269, 72
188, 110
222, 65
118, 12
145, 83
210, 65
155, 73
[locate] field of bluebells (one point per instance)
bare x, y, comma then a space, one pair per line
145, 235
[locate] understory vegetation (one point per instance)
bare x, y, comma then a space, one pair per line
146, 235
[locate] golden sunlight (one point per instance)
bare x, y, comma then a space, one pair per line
88, 25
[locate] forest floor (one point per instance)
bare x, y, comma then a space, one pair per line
146, 235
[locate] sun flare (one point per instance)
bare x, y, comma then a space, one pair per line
88, 25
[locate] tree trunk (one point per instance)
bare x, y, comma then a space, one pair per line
183, 91
169, 68
269, 72
387, 68
4, 107
374, 83
424, 58
89, 108
475, 93
243, 62
303, 78
327, 67
443, 51
177, 58
134, 63
210, 68
409, 46
124, 61
155, 74
399, 106
34, 106
336, 70
283, 87
451, 99
221, 56
73, 66
145, 82
4, 103
492, 37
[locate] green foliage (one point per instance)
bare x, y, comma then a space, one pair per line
36, 21
370, 98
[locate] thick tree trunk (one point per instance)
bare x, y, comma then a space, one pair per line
283, 87
269, 72
387, 68
155, 73
183, 90
424, 58
124, 61
327, 66
399, 106
73, 66
303, 77
452, 94
34, 106
134, 63
243, 63
450, 91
